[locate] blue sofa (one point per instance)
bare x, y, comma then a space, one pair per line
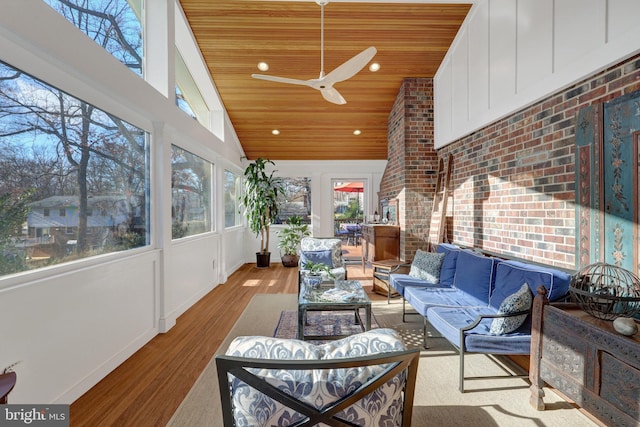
472, 292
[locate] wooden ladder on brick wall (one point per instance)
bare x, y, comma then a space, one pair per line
438, 223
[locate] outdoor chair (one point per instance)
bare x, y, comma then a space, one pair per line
366, 379
341, 233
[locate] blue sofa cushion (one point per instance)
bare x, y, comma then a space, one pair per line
447, 272
400, 282
449, 320
426, 266
475, 275
317, 257
511, 275
448, 269
519, 301
422, 298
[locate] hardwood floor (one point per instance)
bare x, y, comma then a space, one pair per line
148, 387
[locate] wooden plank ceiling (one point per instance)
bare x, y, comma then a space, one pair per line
234, 35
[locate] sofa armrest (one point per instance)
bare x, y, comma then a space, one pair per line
400, 266
481, 317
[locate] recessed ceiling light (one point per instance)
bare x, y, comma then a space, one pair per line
263, 66
374, 67
275, 132
357, 132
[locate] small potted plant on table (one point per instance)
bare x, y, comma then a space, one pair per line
316, 272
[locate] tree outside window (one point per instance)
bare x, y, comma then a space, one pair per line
295, 200
190, 194
60, 158
115, 25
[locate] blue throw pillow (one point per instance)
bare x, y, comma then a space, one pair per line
317, 257
518, 301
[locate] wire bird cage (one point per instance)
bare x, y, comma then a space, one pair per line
606, 291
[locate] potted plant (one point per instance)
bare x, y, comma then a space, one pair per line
260, 204
315, 272
290, 240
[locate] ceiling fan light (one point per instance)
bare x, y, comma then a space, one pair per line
357, 132
263, 66
374, 67
275, 132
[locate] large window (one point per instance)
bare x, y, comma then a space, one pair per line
232, 191
295, 200
113, 24
190, 194
74, 180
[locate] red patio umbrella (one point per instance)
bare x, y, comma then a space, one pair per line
352, 187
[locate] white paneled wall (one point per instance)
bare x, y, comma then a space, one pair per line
502, 53
511, 53
70, 328
534, 57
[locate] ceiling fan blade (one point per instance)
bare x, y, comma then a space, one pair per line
332, 95
351, 67
282, 79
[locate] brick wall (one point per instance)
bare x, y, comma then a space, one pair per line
513, 180
412, 161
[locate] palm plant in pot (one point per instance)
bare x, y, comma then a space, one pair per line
290, 240
260, 204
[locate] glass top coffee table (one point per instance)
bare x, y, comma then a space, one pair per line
341, 295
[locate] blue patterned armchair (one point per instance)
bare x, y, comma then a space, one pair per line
366, 379
324, 251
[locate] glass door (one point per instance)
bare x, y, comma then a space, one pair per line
348, 210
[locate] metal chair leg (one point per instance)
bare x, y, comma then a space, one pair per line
424, 333
461, 350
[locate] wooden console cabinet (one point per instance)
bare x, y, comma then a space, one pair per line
380, 242
587, 360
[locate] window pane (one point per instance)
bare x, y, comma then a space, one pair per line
232, 192
296, 200
113, 24
182, 103
190, 194
62, 158
188, 96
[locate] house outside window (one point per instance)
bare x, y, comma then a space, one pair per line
73, 164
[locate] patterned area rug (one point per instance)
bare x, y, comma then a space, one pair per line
320, 323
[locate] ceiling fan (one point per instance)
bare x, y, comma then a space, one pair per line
325, 83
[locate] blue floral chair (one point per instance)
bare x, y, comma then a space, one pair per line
366, 379
324, 251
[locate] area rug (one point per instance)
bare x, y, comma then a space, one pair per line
320, 323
